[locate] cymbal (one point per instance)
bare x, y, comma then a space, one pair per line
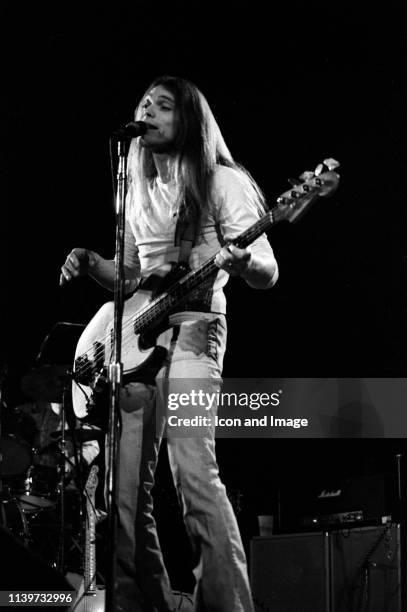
46, 382
80, 434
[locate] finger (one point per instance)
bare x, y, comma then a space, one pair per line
72, 261
71, 268
225, 264
226, 254
218, 261
65, 276
240, 254
73, 257
223, 259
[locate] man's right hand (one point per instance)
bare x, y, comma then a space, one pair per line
78, 263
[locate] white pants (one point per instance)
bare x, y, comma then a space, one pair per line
222, 585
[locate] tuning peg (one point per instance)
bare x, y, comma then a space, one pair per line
294, 182
307, 175
331, 163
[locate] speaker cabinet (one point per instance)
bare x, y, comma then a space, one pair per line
366, 569
349, 570
289, 573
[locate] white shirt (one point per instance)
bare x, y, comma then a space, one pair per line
149, 240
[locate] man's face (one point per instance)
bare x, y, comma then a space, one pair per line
160, 113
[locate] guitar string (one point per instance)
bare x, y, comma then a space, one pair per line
152, 310
135, 321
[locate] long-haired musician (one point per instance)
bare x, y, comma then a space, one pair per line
186, 199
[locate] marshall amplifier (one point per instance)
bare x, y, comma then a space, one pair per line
336, 502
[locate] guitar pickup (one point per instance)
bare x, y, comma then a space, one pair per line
98, 356
86, 369
83, 370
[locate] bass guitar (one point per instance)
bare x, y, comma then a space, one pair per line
90, 597
158, 295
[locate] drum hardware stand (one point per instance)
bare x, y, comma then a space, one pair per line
6, 496
62, 471
3, 371
61, 491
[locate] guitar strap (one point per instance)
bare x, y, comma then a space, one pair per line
185, 237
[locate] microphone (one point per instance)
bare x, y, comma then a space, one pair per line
131, 130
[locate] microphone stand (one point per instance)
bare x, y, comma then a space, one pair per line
2, 377
115, 377
61, 543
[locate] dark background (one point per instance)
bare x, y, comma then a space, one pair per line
291, 83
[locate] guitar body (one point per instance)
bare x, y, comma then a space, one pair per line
92, 602
95, 343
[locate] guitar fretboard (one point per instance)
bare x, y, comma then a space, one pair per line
159, 307
90, 539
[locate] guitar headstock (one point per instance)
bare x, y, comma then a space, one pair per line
322, 182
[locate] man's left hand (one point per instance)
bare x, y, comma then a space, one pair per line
233, 260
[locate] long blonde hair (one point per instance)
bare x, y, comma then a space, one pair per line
199, 148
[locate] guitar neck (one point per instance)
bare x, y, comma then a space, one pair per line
90, 530
252, 233
90, 551
291, 205
182, 288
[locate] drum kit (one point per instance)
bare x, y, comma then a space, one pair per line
42, 468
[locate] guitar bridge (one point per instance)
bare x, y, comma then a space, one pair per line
86, 370
83, 370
